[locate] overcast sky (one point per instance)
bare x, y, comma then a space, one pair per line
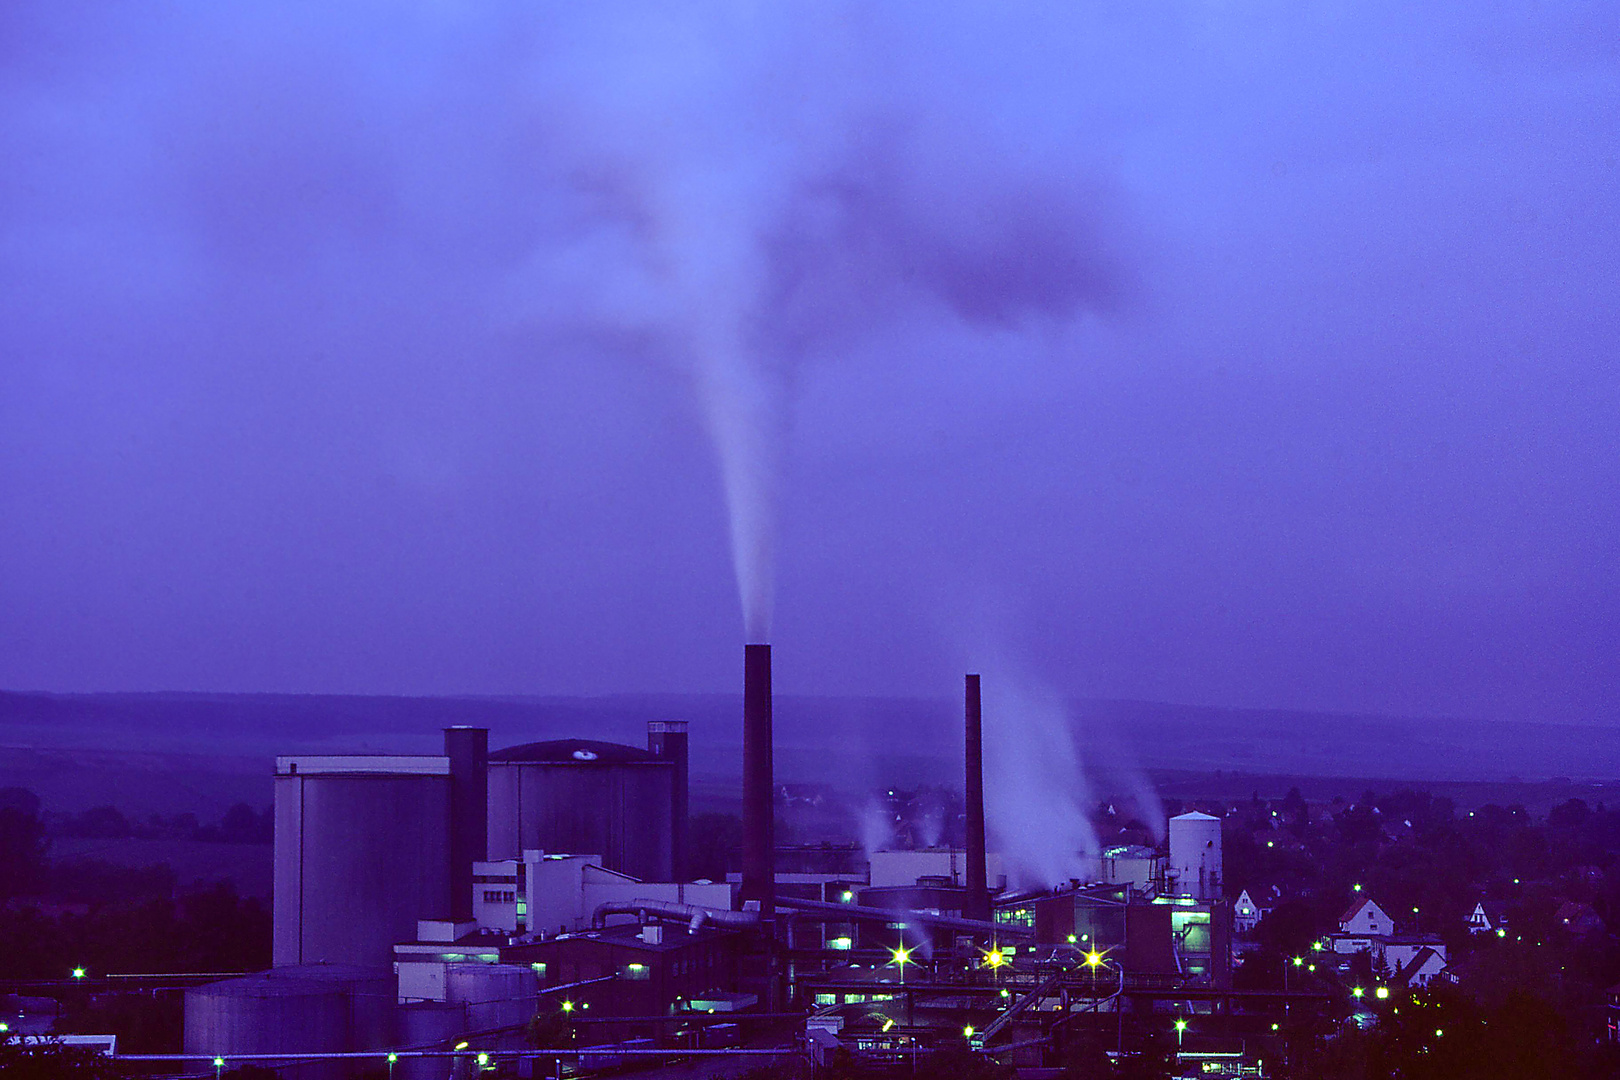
1251, 353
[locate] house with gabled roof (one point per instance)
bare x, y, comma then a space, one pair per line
1488, 917
1424, 967
1246, 914
1365, 917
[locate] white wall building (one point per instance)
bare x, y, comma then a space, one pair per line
899, 868
550, 894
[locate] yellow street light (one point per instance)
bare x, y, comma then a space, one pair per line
901, 956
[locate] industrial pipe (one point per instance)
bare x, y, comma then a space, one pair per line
667, 911
827, 911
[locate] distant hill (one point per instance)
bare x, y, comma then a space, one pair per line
139, 747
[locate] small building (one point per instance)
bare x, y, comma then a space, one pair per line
1246, 914
1488, 917
1423, 968
1395, 951
1364, 918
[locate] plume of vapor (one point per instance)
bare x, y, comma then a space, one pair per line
757, 186
877, 827
1036, 794
734, 189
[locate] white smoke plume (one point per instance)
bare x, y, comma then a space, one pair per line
1036, 794
729, 189
758, 185
877, 827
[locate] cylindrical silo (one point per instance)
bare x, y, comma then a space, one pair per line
322, 1008
362, 853
582, 797
1195, 856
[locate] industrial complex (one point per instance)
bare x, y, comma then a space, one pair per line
528, 911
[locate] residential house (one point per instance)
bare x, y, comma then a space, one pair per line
1488, 917
1423, 968
1246, 914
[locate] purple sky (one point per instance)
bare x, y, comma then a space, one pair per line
1230, 353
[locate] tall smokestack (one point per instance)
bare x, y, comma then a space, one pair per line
977, 905
468, 751
759, 787
667, 739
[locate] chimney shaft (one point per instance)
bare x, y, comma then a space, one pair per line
468, 751
667, 739
977, 905
759, 786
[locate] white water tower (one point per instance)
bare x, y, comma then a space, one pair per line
1195, 856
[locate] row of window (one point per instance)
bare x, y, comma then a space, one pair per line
500, 896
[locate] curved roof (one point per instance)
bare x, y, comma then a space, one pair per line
576, 752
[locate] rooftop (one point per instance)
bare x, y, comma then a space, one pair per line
576, 752
386, 764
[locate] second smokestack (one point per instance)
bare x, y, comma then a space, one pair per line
759, 783
977, 904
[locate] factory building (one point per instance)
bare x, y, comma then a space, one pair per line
551, 894
649, 969
623, 804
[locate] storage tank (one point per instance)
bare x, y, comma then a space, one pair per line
582, 797
319, 1008
1195, 856
362, 852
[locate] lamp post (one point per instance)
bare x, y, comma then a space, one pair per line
1181, 1029
1094, 960
995, 959
900, 957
